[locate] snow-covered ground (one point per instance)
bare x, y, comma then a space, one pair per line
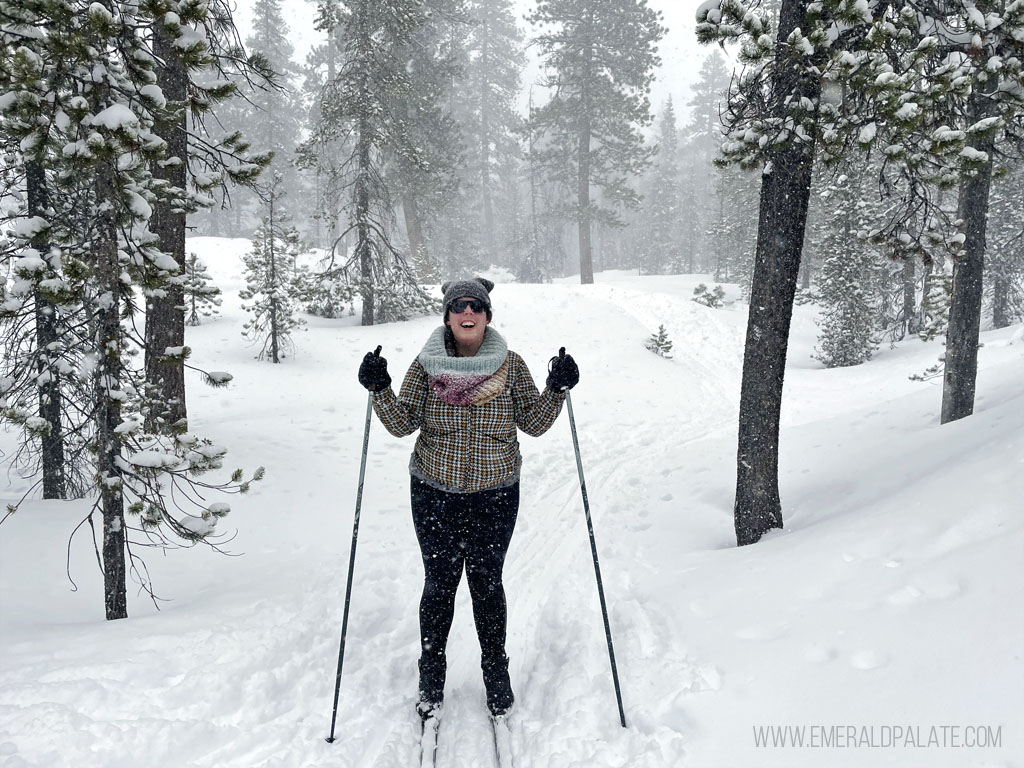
890, 609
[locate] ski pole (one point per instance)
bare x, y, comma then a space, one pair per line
593, 549
351, 561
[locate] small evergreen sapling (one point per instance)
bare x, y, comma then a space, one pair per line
274, 285
202, 297
659, 343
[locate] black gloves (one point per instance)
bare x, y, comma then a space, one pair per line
373, 373
562, 372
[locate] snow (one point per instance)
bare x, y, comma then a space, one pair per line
892, 600
117, 117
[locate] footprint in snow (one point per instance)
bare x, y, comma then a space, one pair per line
758, 632
820, 654
868, 660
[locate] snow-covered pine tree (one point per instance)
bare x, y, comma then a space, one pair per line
779, 135
328, 193
274, 286
274, 109
364, 106
661, 241
948, 84
539, 249
195, 45
705, 210
735, 232
659, 343
202, 297
484, 107
935, 305
1005, 262
599, 59
84, 107
848, 315
426, 181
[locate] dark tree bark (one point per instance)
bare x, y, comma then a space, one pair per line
414, 227
910, 324
583, 179
782, 222
583, 194
50, 398
107, 407
363, 180
275, 326
165, 315
962, 335
1001, 301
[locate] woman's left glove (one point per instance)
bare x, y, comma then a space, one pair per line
373, 372
563, 373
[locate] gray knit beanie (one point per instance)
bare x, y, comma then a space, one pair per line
477, 288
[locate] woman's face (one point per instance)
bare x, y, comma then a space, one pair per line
468, 326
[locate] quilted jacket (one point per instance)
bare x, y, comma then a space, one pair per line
466, 448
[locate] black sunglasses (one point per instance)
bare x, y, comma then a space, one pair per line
459, 306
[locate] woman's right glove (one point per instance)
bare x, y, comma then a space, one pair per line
563, 373
373, 373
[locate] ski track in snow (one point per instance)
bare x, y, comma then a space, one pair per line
240, 671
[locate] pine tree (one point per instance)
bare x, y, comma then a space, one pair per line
274, 115
705, 210
662, 244
484, 106
894, 75
426, 180
201, 297
192, 41
599, 56
1005, 265
85, 110
659, 343
362, 105
844, 288
274, 286
788, 69
935, 306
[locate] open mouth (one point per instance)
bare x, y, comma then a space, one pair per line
468, 324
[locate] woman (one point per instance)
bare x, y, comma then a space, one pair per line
466, 393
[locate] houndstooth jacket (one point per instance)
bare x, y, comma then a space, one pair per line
464, 448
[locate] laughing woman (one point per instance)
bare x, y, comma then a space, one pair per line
466, 393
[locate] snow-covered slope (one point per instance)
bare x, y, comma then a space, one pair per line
892, 599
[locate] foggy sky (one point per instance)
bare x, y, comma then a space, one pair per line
681, 55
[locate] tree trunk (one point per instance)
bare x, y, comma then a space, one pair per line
583, 178
583, 195
486, 194
271, 231
165, 315
909, 297
361, 188
107, 406
782, 221
962, 335
414, 227
1000, 300
50, 397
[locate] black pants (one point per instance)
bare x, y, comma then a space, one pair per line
459, 531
